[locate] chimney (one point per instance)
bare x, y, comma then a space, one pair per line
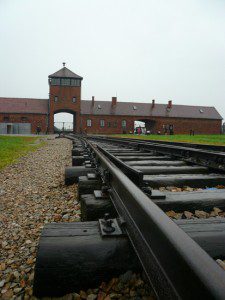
93, 100
114, 101
153, 103
169, 104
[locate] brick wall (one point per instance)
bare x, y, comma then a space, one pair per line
34, 119
64, 103
113, 124
181, 125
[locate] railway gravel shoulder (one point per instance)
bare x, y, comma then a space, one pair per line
32, 193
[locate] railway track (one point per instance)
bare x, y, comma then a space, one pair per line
218, 148
164, 202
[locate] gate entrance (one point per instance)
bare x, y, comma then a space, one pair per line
147, 126
63, 127
64, 122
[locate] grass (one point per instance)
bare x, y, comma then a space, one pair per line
216, 139
12, 148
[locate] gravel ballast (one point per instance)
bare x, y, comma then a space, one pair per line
32, 193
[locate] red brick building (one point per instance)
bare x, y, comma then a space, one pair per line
22, 115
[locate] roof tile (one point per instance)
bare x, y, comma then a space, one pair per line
23, 105
65, 73
146, 110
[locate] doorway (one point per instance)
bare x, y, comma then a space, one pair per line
9, 129
64, 122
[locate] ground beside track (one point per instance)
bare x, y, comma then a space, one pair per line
13, 147
216, 139
32, 193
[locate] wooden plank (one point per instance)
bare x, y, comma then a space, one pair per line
192, 180
79, 258
191, 201
93, 209
72, 173
156, 163
171, 170
142, 157
87, 186
208, 233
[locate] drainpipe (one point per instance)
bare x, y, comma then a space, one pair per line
48, 114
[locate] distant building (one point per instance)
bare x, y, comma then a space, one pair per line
25, 115
223, 128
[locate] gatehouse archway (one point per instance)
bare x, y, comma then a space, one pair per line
65, 121
147, 125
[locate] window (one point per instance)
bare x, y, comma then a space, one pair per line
24, 119
109, 124
201, 111
74, 99
75, 82
6, 119
65, 81
114, 124
102, 123
124, 123
89, 123
55, 81
99, 106
134, 107
56, 98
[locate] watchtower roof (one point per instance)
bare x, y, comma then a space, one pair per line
65, 73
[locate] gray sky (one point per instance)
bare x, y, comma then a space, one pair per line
137, 50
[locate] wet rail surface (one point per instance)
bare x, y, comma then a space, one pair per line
127, 189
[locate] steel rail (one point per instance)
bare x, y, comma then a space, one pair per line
218, 148
211, 159
176, 266
133, 174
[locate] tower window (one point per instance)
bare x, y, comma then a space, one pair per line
102, 123
74, 99
65, 81
75, 82
56, 99
55, 81
89, 123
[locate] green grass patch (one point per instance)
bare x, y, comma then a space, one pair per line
13, 147
216, 139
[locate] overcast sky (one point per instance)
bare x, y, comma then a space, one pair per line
135, 49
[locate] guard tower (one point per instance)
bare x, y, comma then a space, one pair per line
64, 96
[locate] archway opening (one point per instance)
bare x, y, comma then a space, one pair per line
64, 122
144, 126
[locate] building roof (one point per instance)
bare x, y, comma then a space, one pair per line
23, 105
40, 106
65, 73
145, 110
